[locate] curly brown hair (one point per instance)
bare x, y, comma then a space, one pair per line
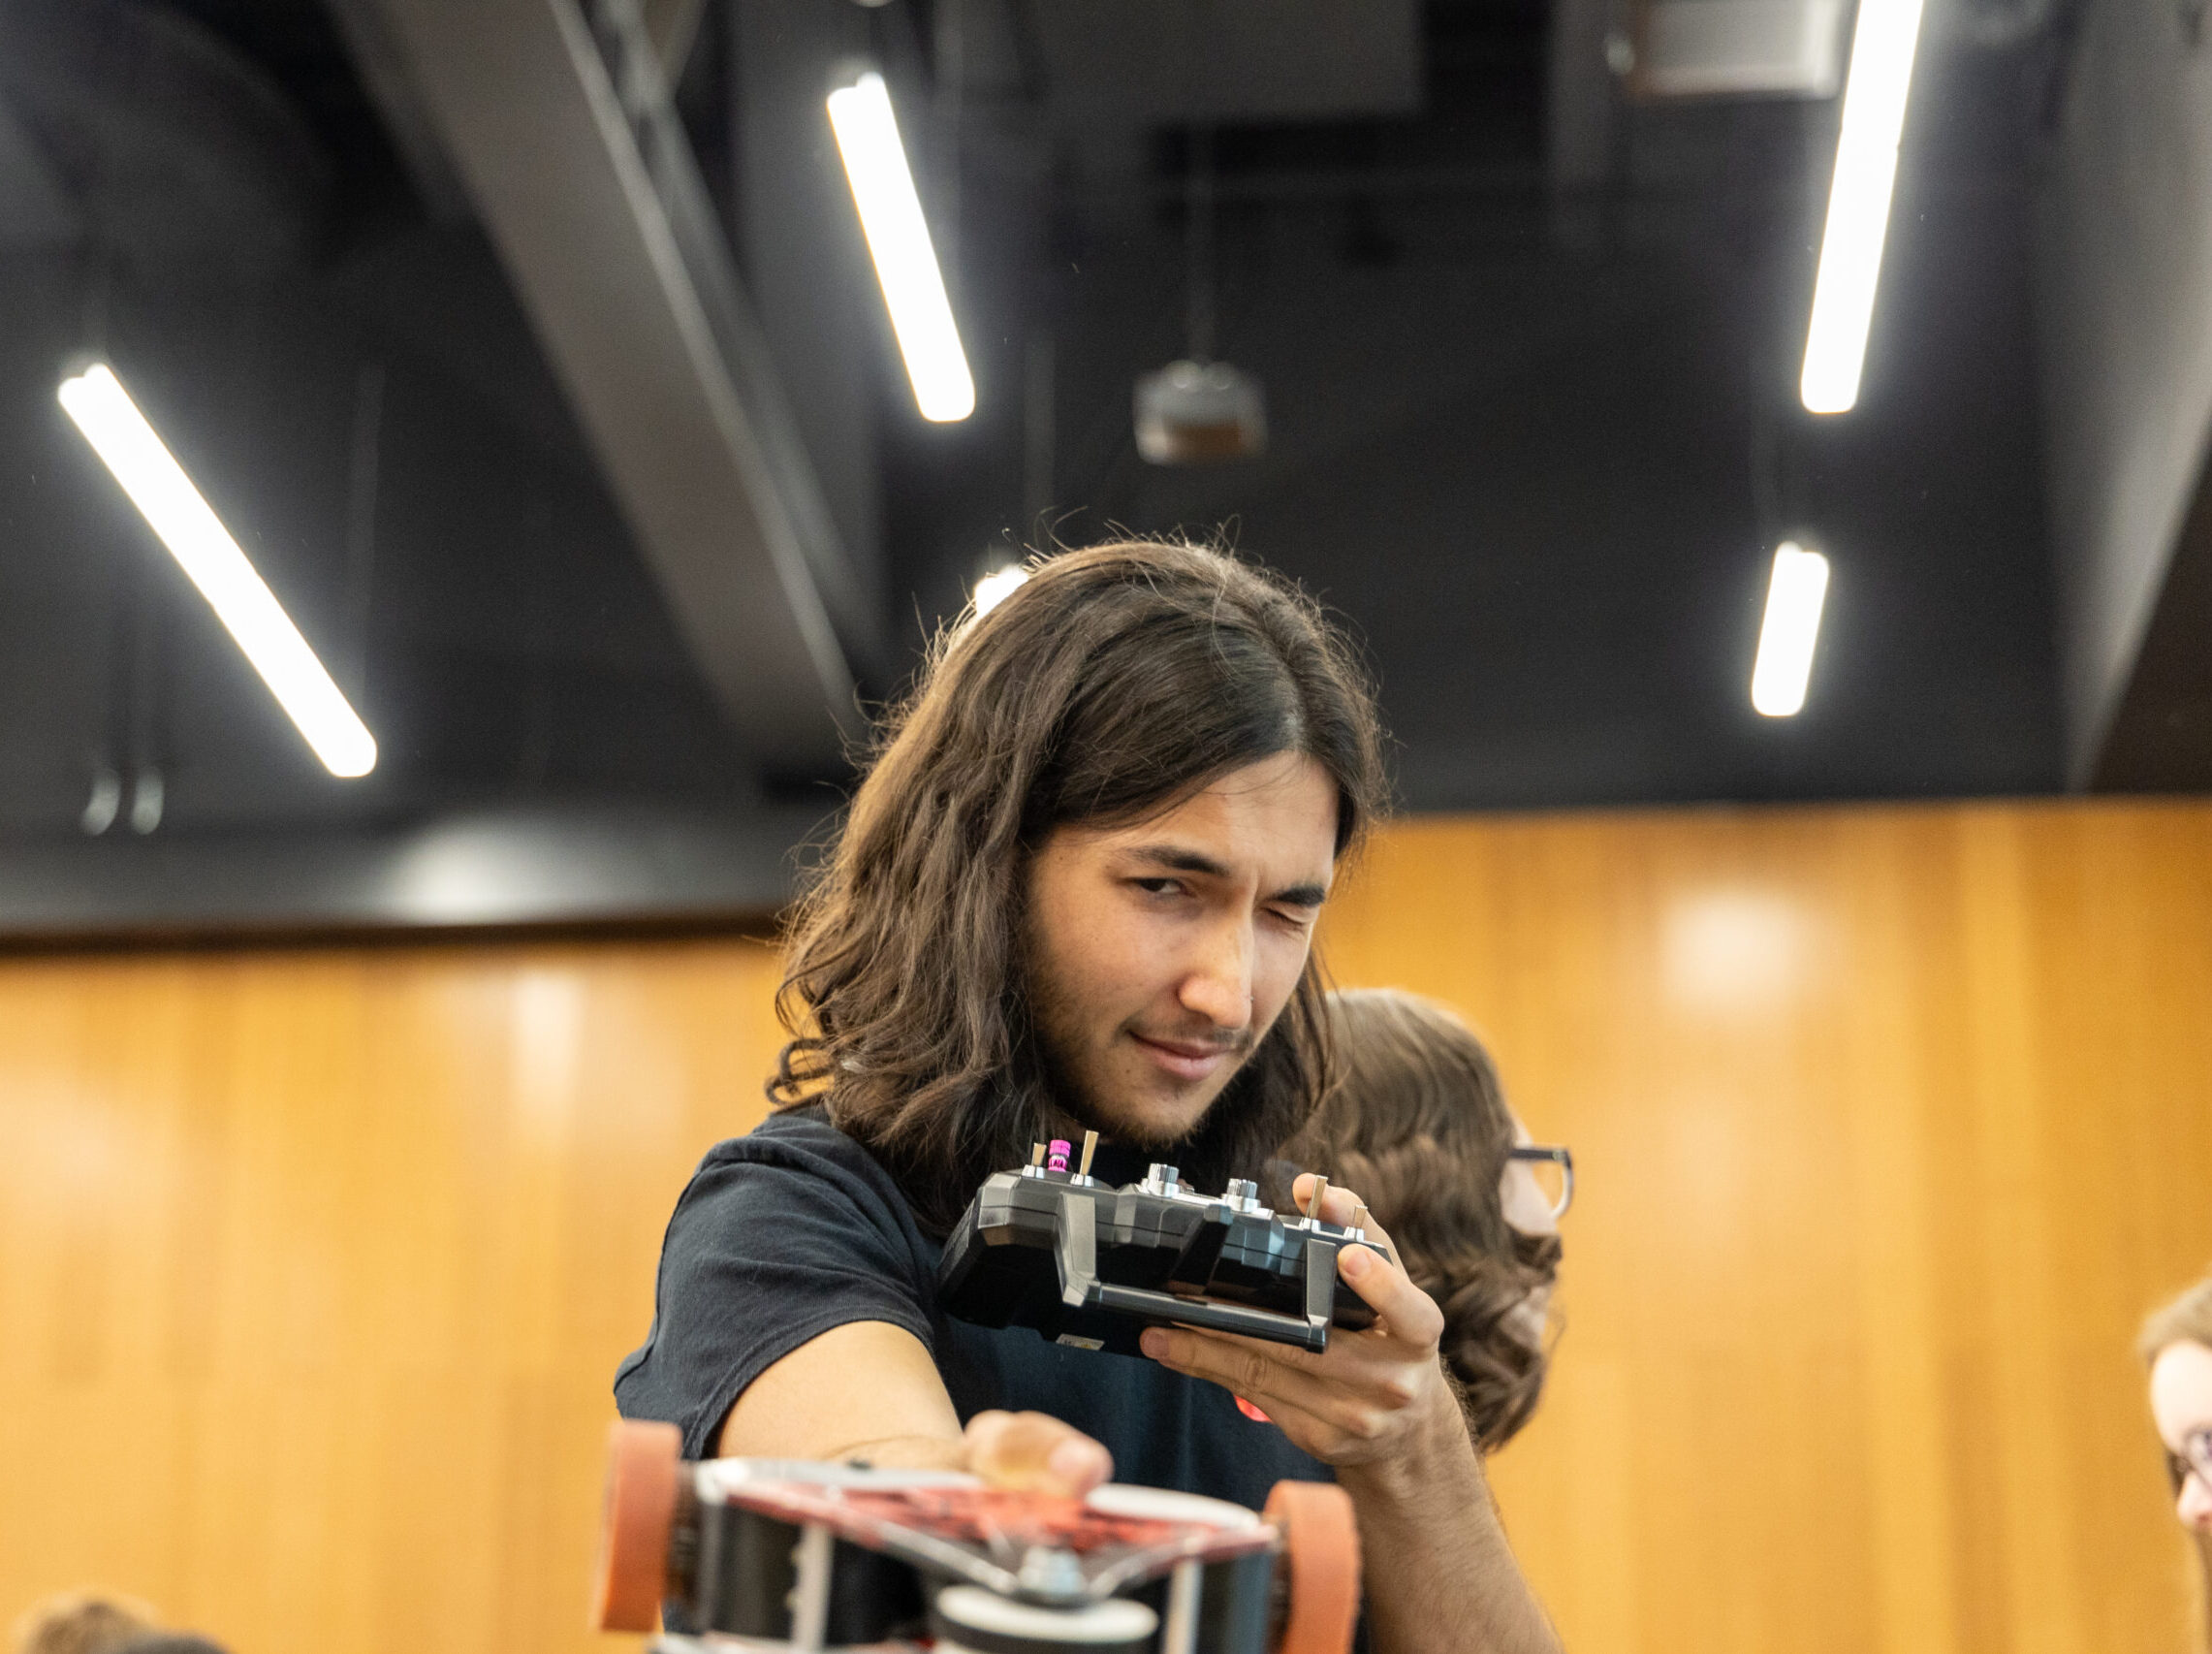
1118, 682
1417, 1123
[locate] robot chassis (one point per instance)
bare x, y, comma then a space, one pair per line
761, 1554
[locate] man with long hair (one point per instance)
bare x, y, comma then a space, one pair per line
1076, 890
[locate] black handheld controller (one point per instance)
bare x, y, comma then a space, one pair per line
1091, 1265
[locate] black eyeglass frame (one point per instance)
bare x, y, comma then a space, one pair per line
1561, 1156
2193, 1459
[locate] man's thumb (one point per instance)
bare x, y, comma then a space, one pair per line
1034, 1452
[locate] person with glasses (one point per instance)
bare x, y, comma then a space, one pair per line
2176, 1345
1417, 1124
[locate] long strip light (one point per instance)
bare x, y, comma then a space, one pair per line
1882, 45
1794, 596
197, 538
899, 241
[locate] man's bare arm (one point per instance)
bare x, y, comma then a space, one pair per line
1440, 1576
868, 1390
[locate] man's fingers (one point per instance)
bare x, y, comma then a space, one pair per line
1285, 1392
1242, 1366
1341, 1206
1337, 1205
1408, 1313
1034, 1452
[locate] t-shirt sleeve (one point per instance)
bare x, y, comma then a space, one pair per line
771, 1246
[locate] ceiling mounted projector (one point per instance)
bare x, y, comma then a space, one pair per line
1193, 413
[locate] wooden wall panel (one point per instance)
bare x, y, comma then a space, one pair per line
1892, 1123
314, 1265
314, 1270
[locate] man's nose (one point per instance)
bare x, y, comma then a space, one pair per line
2195, 1505
1219, 984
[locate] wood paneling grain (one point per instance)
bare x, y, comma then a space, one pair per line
1890, 1125
314, 1270
314, 1265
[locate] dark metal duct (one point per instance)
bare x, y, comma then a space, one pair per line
559, 126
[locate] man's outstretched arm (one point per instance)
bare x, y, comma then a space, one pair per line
868, 1390
1440, 1577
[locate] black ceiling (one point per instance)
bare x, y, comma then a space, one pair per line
1539, 451
1534, 446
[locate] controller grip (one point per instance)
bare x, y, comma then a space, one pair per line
1075, 1249
1271, 1324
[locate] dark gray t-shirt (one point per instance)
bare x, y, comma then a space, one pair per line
796, 1229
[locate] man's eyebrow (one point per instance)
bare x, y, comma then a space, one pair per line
1176, 858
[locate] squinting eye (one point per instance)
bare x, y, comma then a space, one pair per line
1158, 886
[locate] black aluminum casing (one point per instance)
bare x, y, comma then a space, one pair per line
1092, 1266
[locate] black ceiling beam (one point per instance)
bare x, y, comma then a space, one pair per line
2160, 739
377, 58
565, 868
560, 128
671, 25
2126, 354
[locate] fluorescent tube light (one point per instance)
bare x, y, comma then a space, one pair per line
994, 587
1858, 201
899, 241
161, 491
1794, 599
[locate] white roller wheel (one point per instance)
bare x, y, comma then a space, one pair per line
970, 1620
1165, 1505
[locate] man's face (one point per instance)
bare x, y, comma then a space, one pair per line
1161, 954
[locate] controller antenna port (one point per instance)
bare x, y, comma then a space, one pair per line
1320, 1187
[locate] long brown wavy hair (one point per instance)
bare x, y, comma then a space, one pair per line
2186, 1319
1416, 1123
1118, 682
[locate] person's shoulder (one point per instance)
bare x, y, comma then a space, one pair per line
800, 1138
798, 1154
793, 1192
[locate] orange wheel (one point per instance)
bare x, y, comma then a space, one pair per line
634, 1524
1320, 1549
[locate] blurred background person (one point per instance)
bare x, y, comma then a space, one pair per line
1418, 1126
84, 1622
2176, 1343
